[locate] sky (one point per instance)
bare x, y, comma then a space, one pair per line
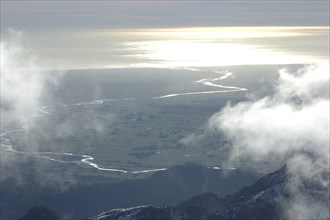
107, 34
50, 14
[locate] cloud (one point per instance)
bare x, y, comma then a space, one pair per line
24, 77
34, 122
295, 118
309, 188
22, 80
130, 14
307, 83
192, 139
291, 126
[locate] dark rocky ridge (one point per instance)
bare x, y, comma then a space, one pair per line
260, 201
169, 187
40, 213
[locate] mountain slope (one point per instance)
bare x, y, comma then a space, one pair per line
265, 199
169, 187
40, 213
262, 200
259, 201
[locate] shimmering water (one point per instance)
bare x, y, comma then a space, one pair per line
184, 47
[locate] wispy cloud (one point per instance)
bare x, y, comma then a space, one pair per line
295, 118
23, 81
292, 127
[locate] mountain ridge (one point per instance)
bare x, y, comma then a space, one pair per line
262, 200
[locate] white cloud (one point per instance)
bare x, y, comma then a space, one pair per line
22, 80
292, 127
192, 139
295, 118
308, 83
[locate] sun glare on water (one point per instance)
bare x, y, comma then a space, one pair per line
184, 47
222, 46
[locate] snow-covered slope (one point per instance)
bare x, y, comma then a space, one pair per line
265, 199
254, 202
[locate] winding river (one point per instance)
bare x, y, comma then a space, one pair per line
80, 159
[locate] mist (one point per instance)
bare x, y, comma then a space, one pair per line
24, 77
289, 127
